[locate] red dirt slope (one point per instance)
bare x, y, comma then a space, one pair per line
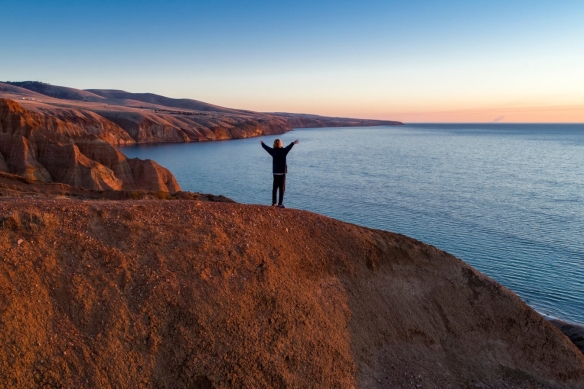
183, 294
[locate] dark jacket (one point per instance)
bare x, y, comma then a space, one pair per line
279, 157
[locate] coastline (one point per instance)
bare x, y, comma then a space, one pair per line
574, 332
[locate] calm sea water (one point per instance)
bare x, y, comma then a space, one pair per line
507, 199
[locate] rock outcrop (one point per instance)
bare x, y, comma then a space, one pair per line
68, 165
182, 294
73, 148
19, 158
148, 175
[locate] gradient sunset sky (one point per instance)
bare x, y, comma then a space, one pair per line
414, 61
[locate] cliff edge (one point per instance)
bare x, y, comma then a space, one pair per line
73, 148
186, 294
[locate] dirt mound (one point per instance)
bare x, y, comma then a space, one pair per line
184, 294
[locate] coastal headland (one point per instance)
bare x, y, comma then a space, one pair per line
193, 294
111, 276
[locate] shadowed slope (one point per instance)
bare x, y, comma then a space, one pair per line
190, 295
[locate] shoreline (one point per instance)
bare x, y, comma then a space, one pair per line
574, 332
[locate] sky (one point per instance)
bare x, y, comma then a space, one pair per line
413, 61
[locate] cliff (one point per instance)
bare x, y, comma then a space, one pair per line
121, 117
74, 148
179, 126
186, 294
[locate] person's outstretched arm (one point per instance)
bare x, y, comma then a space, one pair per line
289, 147
267, 148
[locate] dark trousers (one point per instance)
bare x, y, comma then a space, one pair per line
279, 183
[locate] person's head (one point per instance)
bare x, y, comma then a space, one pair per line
277, 144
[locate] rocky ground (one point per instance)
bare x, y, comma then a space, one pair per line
192, 294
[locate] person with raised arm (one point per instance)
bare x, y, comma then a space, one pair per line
279, 169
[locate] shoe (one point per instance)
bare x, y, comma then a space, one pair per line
274, 205
281, 206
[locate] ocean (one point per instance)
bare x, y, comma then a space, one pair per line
506, 198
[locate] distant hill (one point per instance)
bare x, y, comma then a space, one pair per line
151, 98
59, 92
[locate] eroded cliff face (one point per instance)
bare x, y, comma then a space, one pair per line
147, 127
75, 123
19, 158
183, 294
73, 148
64, 123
